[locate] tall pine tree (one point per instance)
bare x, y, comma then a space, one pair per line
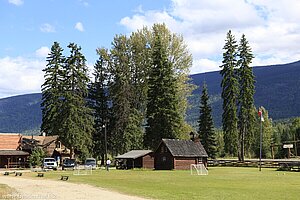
206, 125
229, 95
121, 93
99, 101
76, 118
245, 100
163, 116
52, 90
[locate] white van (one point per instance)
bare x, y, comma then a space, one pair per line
49, 163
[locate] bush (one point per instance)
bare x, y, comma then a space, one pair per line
36, 157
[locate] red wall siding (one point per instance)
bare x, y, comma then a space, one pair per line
184, 163
148, 162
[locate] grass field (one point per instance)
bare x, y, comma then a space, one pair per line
221, 183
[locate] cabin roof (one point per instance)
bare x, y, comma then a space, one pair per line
13, 153
134, 154
185, 148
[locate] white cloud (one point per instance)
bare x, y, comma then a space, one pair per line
271, 27
42, 52
47, 28
84, 2
20, 76
204, 65
79, 26
16, 2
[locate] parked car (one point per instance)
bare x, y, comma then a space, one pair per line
69, 164
91, 162
49, 163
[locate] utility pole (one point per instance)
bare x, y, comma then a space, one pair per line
261, 119
260, 145
105, 140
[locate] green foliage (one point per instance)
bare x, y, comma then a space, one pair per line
267, 132
246, 116
52, 90
98, 101
36, 157
75, 117
220, 151
163, 117
121, 92
206, 125
229, 86
65, 112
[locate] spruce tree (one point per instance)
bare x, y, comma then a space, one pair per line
98, 96
163, 116
245, 100
206, 125
76, 118
229, 95
52, 90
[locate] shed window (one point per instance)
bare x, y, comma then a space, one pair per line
164, 159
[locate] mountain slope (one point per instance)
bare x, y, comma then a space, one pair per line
277, 89
20, 113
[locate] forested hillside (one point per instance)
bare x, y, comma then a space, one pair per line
20, 114
277, 89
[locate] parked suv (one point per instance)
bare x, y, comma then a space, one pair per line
49, 163
91, 162
68, 163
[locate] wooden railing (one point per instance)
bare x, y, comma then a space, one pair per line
267, 163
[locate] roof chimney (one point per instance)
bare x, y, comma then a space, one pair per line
192, 135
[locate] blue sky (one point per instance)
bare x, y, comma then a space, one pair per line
29, 28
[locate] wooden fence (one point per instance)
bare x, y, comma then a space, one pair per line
289, 164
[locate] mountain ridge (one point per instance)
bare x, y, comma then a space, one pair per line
277, 89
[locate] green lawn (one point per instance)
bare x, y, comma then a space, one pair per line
221, 183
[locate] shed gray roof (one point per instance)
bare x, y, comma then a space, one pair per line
13, 153
185, 148
134, 154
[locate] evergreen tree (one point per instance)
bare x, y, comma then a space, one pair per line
163, 117
245, 100
229, 94
98, 97
181, 62
76, 118
52, 90
121, 94
206, 126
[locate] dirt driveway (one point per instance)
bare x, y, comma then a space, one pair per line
30, 189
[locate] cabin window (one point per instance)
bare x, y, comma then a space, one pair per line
58, 145
162, 149
166, 149
164, 159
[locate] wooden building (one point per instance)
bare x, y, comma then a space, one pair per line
50, 144
179, 154
135, 159
11, 155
